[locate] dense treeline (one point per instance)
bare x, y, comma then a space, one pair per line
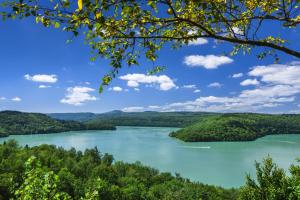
75, 174
155, 119
239, 127
49, 172
13, 122
3, 133
200, 126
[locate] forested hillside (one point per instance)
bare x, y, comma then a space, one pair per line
13, 122
201, 126
119, 118
239, 127
49, 172
74, 174
3, 133
159, 119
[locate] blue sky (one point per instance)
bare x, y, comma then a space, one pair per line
41, 73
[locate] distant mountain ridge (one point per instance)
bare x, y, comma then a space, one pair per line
83, 116
147, 118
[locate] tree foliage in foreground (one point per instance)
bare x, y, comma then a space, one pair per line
48, 171
272, 183
123, 31
38, 183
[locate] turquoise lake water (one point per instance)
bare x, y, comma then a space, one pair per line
219, 163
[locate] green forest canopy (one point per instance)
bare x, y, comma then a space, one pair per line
75, 174
239, 127
14, 122
49, 172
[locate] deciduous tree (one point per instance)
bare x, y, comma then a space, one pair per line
124, 30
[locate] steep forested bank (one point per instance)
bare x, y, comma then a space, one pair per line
50, 172
13, 122
74, 174
239, 127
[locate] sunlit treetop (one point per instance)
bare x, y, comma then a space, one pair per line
124, 30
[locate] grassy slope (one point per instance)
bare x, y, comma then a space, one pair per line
239, 127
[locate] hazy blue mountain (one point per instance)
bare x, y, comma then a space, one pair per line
85, 116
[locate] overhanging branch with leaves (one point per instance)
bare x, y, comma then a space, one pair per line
125, 30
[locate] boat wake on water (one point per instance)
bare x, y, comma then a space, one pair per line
289, 142
196, 147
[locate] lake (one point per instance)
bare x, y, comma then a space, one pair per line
219, 163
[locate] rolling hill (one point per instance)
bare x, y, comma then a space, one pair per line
17, 123
238, 127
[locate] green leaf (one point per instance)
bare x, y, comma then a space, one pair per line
56, 24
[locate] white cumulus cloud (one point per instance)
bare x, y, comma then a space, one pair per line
44, 78
133, 109
237, 31
44, 86
215, 85
198, 41
208, 61
238, 75
132, 83
78, 95
158, 107
197, 91
116, 89
279, 85
189, 86
249, 82
134, 80
271, 91
278, 74
16, 99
